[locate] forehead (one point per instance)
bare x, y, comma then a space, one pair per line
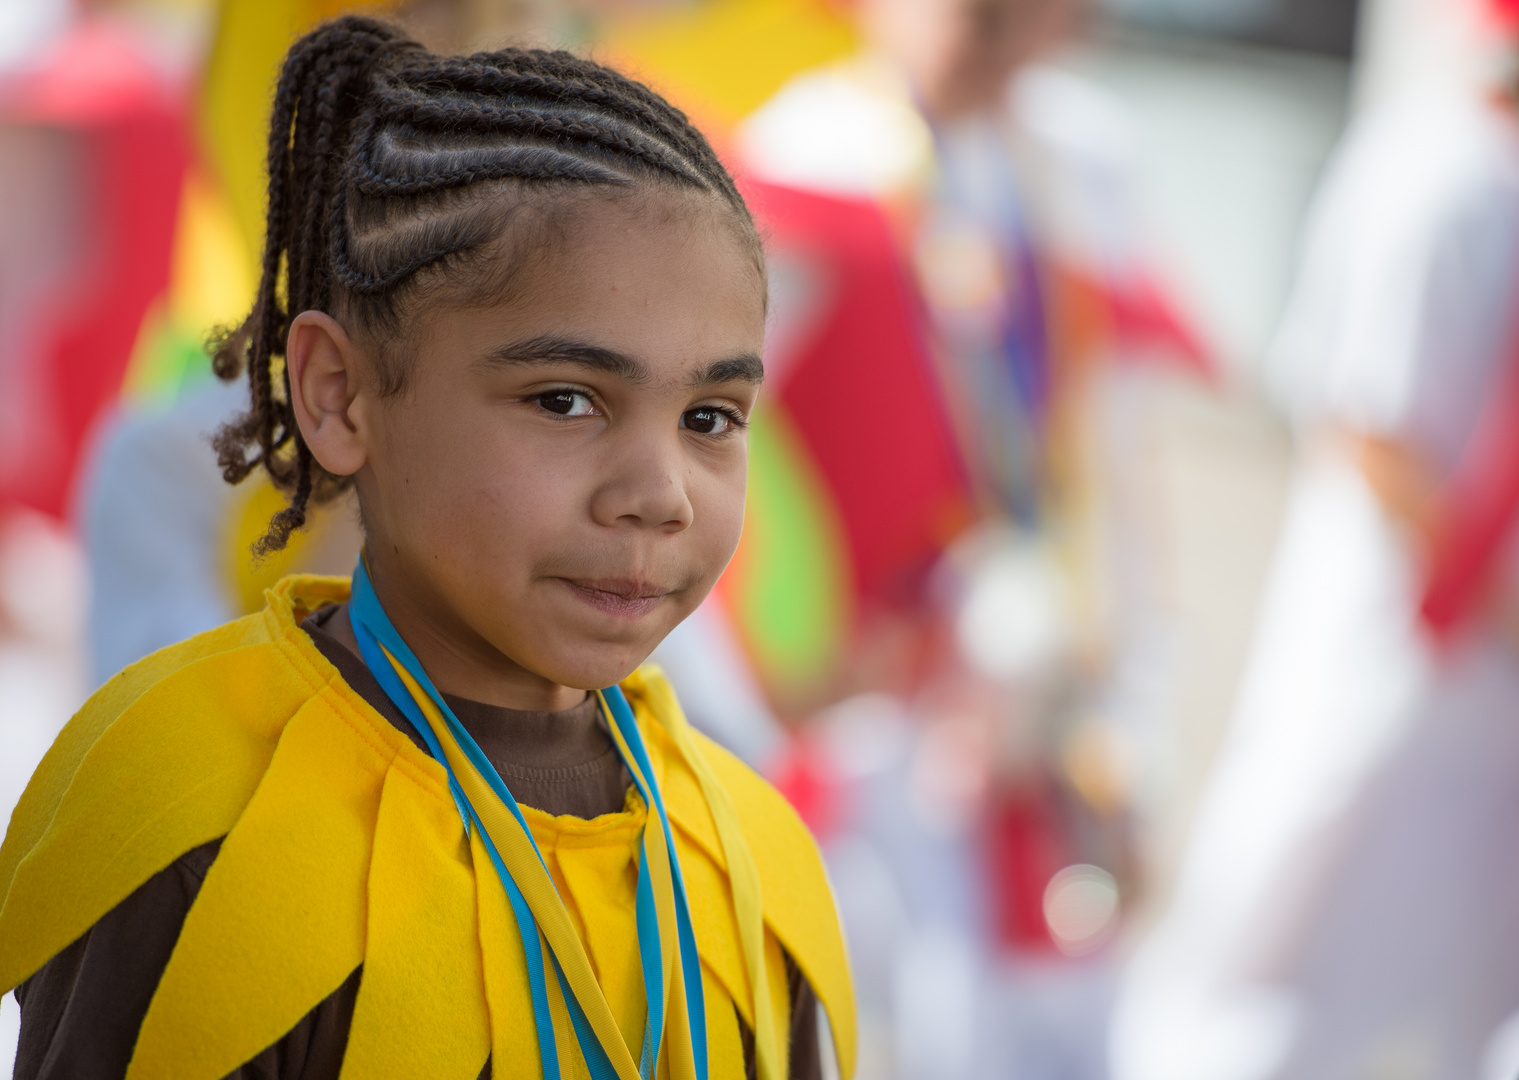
671, 281
654, 231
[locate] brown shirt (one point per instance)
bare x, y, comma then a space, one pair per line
81, 1012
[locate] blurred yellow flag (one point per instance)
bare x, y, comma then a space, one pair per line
251, 39
722, 59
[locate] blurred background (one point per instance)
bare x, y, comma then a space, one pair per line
1126, 593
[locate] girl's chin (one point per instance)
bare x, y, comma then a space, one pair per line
595, 665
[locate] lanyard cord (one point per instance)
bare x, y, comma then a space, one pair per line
616, 705
486, 803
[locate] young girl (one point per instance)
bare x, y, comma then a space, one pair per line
384, 829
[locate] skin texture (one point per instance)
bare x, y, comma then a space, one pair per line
562, 479
959, 54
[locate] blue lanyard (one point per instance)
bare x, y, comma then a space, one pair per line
373, 629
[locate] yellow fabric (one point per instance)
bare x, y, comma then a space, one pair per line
744, 889
724, 1043
430, 926
592, 865
316, 808
532, 878
506, 991
793, 882
343, 847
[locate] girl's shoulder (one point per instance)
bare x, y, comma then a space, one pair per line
214, 666
159, 760
249, 673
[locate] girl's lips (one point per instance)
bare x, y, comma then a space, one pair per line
624, 599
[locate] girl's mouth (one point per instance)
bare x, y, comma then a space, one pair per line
619, 597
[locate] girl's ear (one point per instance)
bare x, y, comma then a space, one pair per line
323, 363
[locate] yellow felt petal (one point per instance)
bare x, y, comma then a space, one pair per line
421, 1005
115, 830
725, 1047
514, 1046
521, 859
599, 873
55, 773
798, 902
780, 995
714, 924
744, 878
801, 909
684, 800
280, 921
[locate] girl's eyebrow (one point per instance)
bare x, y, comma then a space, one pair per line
746, 368
547, 349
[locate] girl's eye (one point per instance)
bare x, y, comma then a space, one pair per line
708, 421
567, 403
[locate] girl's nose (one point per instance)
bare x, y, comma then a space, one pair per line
645, 486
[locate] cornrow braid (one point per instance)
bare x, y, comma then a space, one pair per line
379, 155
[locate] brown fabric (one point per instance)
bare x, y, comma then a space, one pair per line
81, 1012
806, 1049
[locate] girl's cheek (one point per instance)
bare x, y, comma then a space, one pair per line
722, 505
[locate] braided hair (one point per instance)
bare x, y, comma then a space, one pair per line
390, 169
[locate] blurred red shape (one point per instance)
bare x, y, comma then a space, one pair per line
862, 391
131, 122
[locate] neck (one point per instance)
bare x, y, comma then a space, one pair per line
457, 659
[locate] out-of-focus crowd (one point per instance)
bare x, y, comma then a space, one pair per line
1130, 611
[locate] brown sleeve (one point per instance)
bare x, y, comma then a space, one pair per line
81, 1012
806, 1057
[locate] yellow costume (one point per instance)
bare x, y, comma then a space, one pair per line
344, 847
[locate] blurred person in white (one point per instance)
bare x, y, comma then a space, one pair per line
1010, 180
1349, 903
1010, 183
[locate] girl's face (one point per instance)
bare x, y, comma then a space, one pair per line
562, 479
